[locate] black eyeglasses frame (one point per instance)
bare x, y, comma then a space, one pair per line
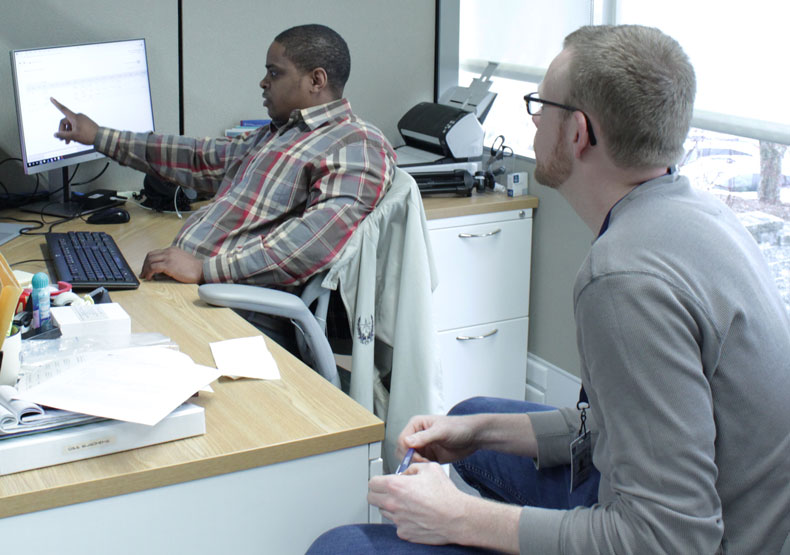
533, 97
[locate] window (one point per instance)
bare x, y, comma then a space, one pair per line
737, 147
523, 38
736, 53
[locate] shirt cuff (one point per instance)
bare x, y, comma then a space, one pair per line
539, 530
217, 269
554, 438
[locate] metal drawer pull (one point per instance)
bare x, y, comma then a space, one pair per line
475, 235
473, 337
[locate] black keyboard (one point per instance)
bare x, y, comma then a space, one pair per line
90, 259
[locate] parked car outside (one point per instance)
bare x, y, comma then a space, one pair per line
725, 174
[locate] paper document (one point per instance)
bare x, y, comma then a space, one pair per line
245, 357
43, 360
142, 384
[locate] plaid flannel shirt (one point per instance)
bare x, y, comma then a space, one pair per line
286, 199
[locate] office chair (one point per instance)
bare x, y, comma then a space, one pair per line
385, 275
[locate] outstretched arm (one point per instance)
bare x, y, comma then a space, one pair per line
75, 127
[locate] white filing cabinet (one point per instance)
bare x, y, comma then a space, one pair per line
481, 304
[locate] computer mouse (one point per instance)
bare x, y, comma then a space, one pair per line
114, 215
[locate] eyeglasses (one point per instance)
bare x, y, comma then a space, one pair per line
534, 106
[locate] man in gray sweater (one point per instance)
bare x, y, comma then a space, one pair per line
683, 338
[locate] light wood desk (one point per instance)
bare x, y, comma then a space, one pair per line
453, 206
281, 461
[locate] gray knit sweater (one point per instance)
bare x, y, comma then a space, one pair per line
685, 350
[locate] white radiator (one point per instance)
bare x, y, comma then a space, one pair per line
549, 384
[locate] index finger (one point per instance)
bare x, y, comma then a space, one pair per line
61, 107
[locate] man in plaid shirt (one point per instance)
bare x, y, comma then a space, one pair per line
288, 196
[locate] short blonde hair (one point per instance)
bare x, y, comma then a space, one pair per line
639, 84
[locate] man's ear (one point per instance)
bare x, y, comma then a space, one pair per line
581, 136
318, 79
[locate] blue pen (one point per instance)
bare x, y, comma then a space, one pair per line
406, 461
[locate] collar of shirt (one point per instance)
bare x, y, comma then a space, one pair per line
316, 116
671, 171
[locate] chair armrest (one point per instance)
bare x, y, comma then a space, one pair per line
255, 299
277, 303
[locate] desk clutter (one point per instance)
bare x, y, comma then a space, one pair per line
75, 382
85, 395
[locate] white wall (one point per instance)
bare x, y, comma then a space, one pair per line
391, 44
35, 23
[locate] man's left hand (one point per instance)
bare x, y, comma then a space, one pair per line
173, 262
422, 502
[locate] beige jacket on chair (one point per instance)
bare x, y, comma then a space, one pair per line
386, 276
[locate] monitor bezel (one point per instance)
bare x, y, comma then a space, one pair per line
57, 169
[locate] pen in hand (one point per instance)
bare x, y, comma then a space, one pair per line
405, 462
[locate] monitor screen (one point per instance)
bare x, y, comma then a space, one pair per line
106, 81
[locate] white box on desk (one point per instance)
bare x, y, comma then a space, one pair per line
517, 184
92, 440
92, 319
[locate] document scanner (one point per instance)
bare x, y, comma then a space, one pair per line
447, 136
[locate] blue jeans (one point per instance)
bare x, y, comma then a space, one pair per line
499, 476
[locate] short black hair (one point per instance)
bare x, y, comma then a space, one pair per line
311, 46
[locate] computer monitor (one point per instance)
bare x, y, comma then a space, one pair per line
107, 81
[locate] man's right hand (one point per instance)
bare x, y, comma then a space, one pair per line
75, 127
450, 438
439, 438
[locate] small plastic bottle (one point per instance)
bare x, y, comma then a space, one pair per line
40, 299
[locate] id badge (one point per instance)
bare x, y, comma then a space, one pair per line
581, 459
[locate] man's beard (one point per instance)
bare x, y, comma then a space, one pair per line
557, 169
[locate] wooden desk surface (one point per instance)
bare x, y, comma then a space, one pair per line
444, 206
249, 423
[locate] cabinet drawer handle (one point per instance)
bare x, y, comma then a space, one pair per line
476, 235
474, 337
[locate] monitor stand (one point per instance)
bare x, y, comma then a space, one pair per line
72, 206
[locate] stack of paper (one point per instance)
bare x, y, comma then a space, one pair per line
139, 384
101, 402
